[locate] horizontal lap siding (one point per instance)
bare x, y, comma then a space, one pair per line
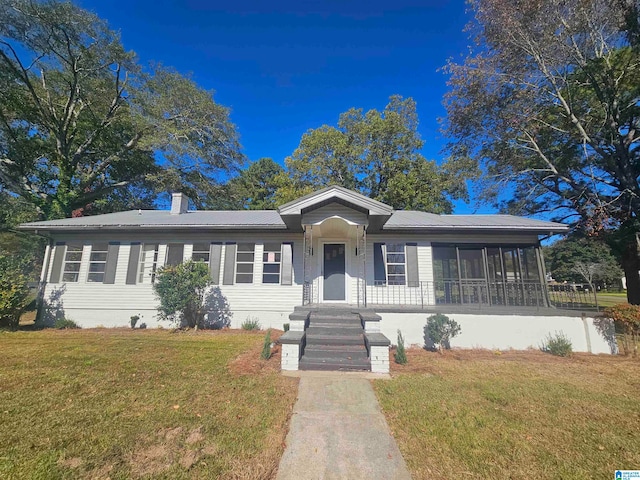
254, 297
401, 294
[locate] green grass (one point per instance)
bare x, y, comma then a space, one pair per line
132, 404
514, 415
611, 299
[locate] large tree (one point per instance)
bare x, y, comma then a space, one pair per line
547, 102
82, 121
378, 154
254, 188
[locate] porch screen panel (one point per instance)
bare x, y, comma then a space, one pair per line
287, 264
175, 254
473, 276
58, 258
215, 254
132, 267
445, 275
496, 276
229, 263
412, 265
112, 263
379, 268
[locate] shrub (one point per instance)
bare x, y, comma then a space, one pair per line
439, 330
401, 355
251, 323
558, 345
144, 325
134, 320
286, 327
266, 348
14, 290
626, 318
182, 290
65, 323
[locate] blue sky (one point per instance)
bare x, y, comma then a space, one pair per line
286, 67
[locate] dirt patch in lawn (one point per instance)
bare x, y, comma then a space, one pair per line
250, 362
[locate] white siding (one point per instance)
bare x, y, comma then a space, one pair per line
93, 304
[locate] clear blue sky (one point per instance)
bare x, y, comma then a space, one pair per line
286, 67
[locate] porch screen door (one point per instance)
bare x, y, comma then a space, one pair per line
334, 271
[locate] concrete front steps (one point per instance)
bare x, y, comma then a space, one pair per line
334, 337
335, 341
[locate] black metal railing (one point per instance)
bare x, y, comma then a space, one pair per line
479, 294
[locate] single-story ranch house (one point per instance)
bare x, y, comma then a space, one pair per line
345, 271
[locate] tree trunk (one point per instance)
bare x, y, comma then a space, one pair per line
631, 265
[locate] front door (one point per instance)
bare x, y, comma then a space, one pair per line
334, 268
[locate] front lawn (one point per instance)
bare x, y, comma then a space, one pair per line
119, 404
478, 414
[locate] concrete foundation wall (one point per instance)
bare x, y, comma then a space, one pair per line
504, 331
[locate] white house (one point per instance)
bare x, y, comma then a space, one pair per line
345, 271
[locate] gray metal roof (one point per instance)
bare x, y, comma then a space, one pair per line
411, 219
210, 219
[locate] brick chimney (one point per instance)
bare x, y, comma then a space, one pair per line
179, 203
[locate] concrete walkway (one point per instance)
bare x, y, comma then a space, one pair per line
338, 432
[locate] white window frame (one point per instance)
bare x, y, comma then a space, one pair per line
98, 275
277, 260
148, 263
206, 251
245, 275
386, 251
72, 249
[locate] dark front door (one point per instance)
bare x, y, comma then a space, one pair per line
334, 264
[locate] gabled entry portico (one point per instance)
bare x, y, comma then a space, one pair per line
335, 222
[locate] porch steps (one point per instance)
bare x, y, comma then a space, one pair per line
335, 341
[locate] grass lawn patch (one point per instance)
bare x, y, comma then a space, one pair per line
122, 404
479, 414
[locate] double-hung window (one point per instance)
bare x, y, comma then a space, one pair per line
244, 262
98, 262
72, 260
148, 263
271, 263
396, 264
200, 252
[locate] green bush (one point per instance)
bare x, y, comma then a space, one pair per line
14, 290
626, 318
251, 323
65, 323
286, 327
558, 345
439, 330
401, 355
266, 348
134, 320
182, 291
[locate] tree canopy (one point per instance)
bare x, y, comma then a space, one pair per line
378, 154
81, 121
547, 103
254, 188
582, 260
